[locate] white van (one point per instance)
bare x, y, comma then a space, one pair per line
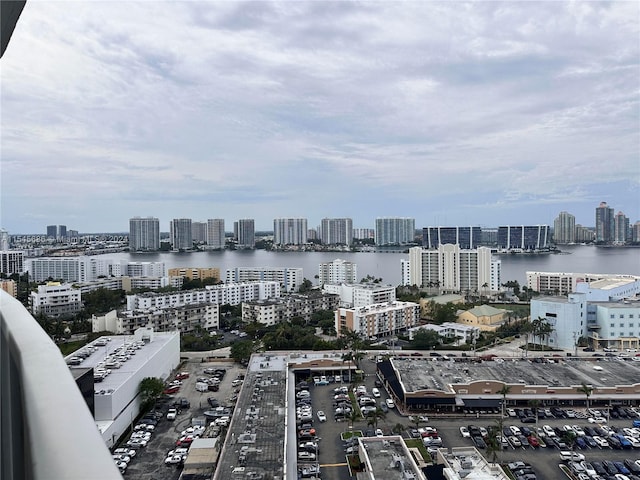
202, 387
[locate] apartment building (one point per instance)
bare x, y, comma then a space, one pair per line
184, 319
289, 279
395, 231
289, 231
361, 294
244, 232
232, 294
195, 273
564, 228
382, 319
215, 233
56, 299
337, 271
462, 334
453, 269
144, 234
336, 231
466, 237
562, 283
11, 261
276, 310
180, 234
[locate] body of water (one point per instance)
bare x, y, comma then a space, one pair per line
574, 259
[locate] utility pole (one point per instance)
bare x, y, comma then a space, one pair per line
575, 343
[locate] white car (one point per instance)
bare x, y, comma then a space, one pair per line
579, 431
464, 431
375, 392
573, 456
172, 413
130, 452
549, 431
390, 403
602, 443
174, 460
511, 412
222, 421
597, 420
321, 416
379, 432
122, 458
306, 456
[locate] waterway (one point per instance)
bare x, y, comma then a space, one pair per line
573, 259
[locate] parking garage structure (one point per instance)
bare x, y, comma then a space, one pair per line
470, 385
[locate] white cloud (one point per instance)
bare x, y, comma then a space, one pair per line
244, 109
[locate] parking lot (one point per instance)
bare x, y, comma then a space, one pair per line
149, 462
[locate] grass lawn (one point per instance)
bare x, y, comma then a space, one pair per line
347, 435
417, 443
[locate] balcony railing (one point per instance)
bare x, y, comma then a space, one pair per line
46, 428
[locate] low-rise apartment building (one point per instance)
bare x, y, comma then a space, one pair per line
56, 299
382, 319
273, 311
289, 279
361, 294
461, 333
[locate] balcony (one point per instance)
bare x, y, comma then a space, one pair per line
46, 429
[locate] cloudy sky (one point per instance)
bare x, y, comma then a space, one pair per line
452, 113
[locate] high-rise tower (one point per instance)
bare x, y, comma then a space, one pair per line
144, 234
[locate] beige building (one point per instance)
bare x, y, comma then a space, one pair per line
10, 287
379, 319
485, 317
193, 273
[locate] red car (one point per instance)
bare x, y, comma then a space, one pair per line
170, 390
182, 375
533, 441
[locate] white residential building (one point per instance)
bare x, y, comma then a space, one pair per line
462, 333
289, 279
215, 233
11, 261
560, 283
336, 231
185, 319
180, 234
337, 271
361, 294
378, 320
289, 231
244, 231
144, 234
232, 294
55, 299
137, 269
453, 269
395, 231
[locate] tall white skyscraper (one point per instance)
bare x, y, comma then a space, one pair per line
290, 231
395, 231
564, 228
4, 240
605, 228
180, 234
336, 231
215, 233
244, 231
144, 234
621, 228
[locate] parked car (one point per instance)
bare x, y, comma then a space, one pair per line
321, 416
172, 413
390, 403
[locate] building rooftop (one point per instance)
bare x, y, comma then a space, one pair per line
387, 458
103, 353
611, 283
434, 374
486, 311
469, 464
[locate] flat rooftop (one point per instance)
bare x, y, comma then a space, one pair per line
119, 343
433, 374
387, 458
469, 464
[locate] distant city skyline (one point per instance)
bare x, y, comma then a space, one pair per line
451, 113
165, 226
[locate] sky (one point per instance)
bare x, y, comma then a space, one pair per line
453, 113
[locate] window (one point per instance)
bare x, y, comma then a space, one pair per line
621, 324
612, 316
621, 316
612, 325
631, 315
631, 325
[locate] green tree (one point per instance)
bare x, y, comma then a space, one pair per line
587, 390
150, 389
305, 286
241, 350
102, 300
425, 339
504, 391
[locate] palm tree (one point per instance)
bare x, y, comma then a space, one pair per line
587, 390
353, 417
398, 428
504, 391
534, 403
374, 416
